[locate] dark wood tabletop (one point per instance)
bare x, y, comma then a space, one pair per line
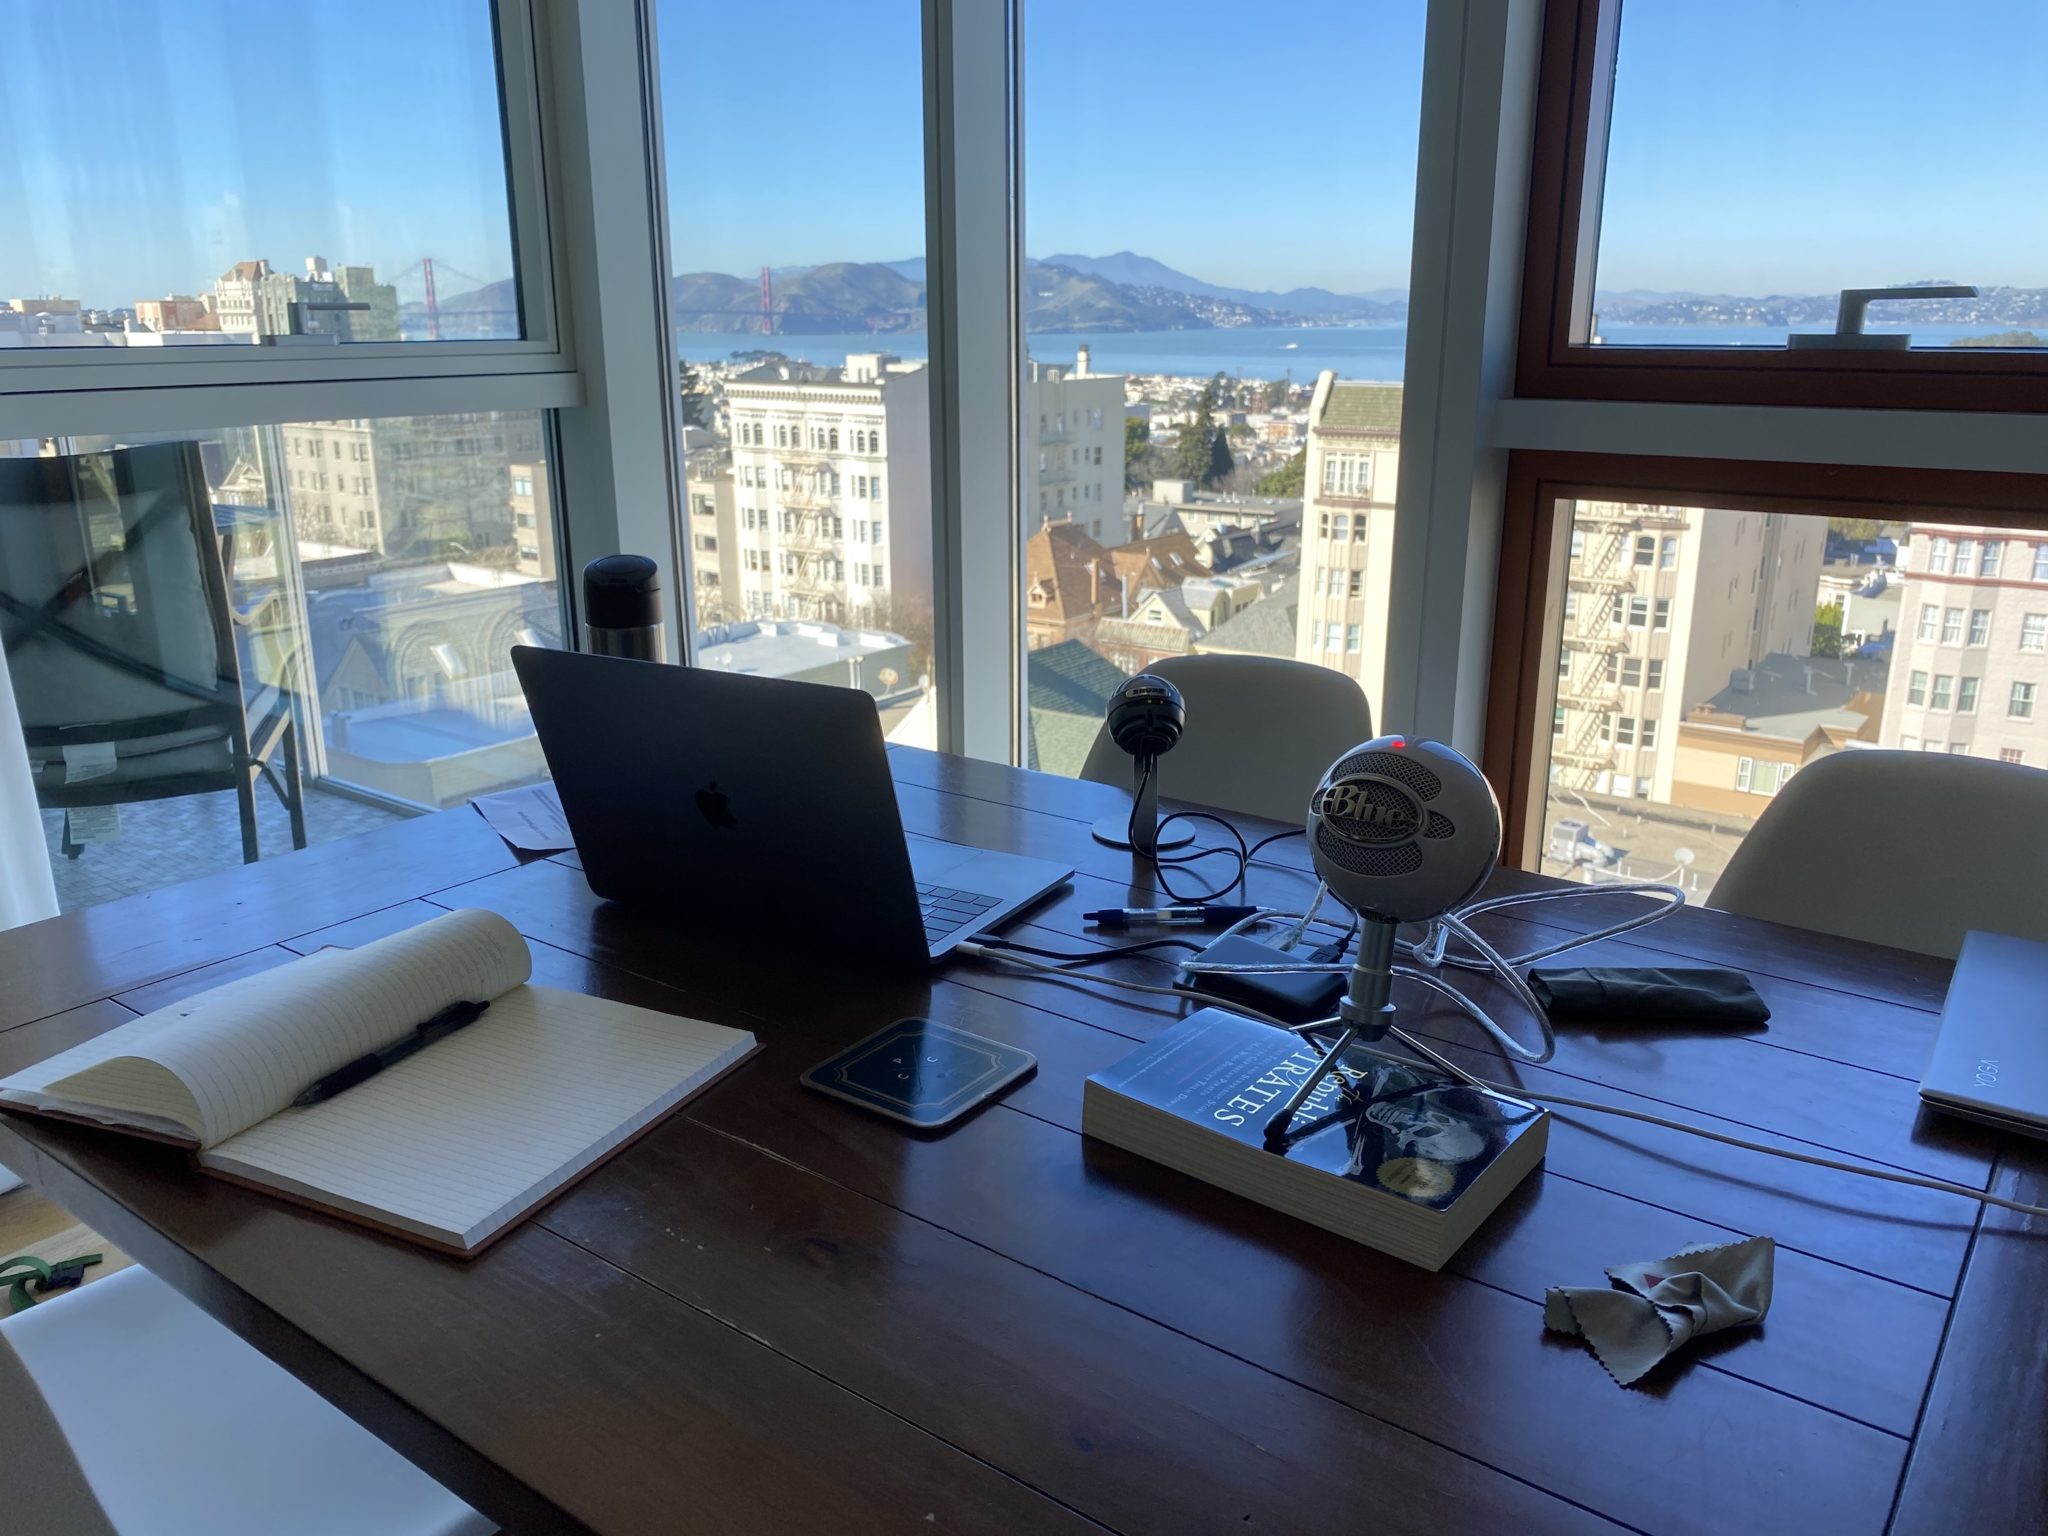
775, 1313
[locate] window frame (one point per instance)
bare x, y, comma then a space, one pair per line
64, 392
1534, 534
1566, 184
582, 143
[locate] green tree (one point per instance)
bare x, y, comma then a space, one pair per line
1221, 461
1290, 479
695, 404
1278, 392
1827, 630
1193, 451
1137, 443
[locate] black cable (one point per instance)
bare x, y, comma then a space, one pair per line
1244, 853
1161, 862
1277, 837
1093, 957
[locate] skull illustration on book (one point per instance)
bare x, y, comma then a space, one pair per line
1418, 1128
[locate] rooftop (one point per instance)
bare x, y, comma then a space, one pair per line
789, 647
1156, 562
1266, 628
1078, 573
1363, 407
1793, 696
1070, 684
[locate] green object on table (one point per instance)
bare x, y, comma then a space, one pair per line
24, 1271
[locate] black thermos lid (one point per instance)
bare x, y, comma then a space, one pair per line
621, 592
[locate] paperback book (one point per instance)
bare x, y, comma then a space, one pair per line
1401, 1158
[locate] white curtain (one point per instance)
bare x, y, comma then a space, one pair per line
26, 893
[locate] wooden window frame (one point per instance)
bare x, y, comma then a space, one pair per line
1528, 606
1567, 178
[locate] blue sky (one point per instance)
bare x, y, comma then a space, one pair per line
154, 142
1758, 145
1180, 132
1796, 146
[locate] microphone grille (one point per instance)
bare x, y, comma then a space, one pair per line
1438, 825
1392, 765
1376, 862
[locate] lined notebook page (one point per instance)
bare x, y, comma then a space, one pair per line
223, 1060
453, 1143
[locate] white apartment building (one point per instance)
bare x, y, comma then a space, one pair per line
713, 524
1663, 606
1347, 529
1970, 667
1074, 467
832, 484
533, 521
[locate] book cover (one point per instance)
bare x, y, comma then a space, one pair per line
1389, 1128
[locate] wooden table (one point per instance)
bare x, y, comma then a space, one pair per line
776, 1314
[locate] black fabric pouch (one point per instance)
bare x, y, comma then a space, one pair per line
1649, 996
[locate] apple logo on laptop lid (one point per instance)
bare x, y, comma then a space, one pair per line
715, 806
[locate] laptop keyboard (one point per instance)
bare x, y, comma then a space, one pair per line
946, 911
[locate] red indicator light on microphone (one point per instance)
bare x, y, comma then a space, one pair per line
1398, 743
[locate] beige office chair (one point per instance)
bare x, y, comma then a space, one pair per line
1260, 732
1912, 849
130, 1412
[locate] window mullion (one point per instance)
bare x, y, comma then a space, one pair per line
974, 234
619, 467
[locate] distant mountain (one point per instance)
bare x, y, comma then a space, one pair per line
1123, 292
1061, 299
884, 297
1132, 270
836, 297
1993, 307
489, 312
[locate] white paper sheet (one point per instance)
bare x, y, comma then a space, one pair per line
530, 819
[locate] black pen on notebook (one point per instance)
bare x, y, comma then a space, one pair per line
363, 1068
1166, 917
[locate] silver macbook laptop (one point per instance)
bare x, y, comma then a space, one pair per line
754, 806
1991, 1056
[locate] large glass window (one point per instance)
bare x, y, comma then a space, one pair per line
276, 174
332, 600
1745, 186
797, 240
1788, 640
1213, 401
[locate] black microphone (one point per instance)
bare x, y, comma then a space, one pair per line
1145, 718
1401, 830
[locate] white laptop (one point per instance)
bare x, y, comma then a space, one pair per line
1991, 1057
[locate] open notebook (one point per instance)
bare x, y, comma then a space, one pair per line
450, 1146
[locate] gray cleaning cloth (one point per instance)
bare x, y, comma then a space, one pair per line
1653, 1309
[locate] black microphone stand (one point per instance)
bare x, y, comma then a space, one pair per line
1138, 828
1367, 1011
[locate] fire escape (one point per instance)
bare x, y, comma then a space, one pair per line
809, 535
1594, 637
